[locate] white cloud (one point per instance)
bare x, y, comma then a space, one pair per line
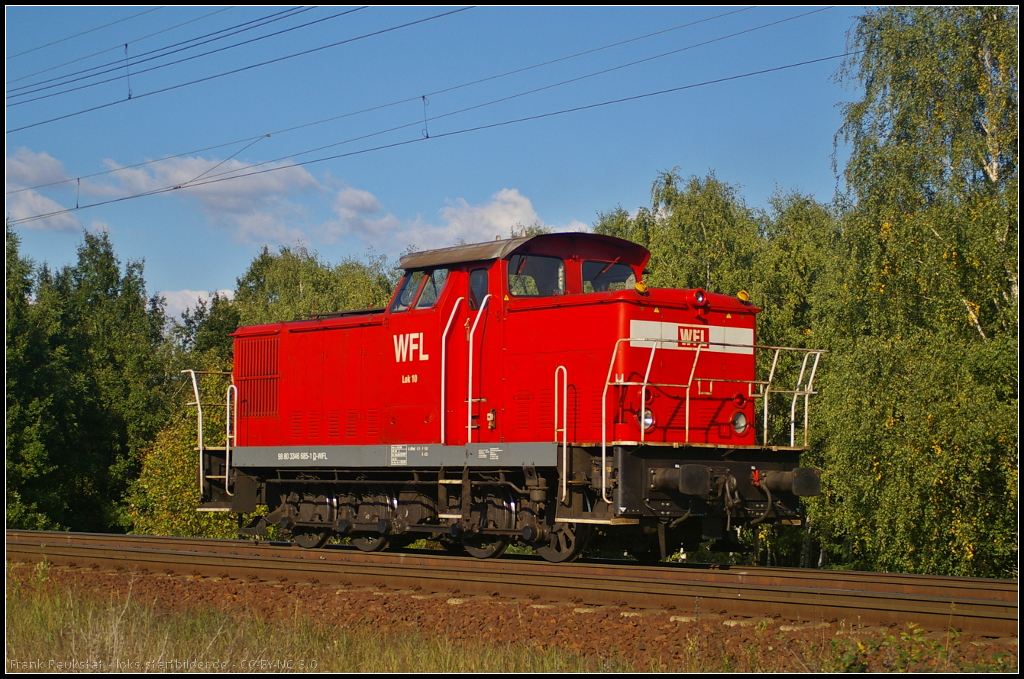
24, 169
350, 203
28, 203
255, 206
27, 168
178, 301
460, 221
477, 223
354, 209
263, 207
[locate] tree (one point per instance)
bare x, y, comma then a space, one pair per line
919, 402
207, 330
295, 283
702, 234
618, 223
933, 170
794, 279
86, 376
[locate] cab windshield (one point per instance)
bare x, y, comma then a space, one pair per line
535, 276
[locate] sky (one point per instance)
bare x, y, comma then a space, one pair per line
196, 136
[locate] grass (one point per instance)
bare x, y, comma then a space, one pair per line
54, 627
49, 629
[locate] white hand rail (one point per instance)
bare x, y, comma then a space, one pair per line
444, 365
230, 431
469, 391
804, 387
565, 427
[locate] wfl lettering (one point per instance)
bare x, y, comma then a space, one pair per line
692, 336
408, 345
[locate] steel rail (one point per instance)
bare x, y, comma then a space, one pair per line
974, 605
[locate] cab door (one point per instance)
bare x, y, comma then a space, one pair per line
411, 372
473, 369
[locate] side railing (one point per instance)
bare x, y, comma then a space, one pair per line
230, 406
563, 399
757, 389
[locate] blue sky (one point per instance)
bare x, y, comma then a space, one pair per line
433, 178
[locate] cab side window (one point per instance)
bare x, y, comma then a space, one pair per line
536, 276
477, 287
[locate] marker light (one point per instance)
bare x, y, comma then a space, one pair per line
646, 419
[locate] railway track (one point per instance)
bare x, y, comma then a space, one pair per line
978, 606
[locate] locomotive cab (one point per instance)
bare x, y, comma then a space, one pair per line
531, 390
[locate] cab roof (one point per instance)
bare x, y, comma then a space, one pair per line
566, 244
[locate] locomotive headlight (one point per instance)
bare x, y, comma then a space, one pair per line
739, 422
646, 419
699, 297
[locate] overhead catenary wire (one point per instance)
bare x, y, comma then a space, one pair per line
180, 45
388, 105
76, 35
115, 47
136, 60
419, 139
243, 68
537, 89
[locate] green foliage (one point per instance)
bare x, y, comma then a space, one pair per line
940, 107
164, 500
918, 414
207, 329
618, 223
86, 379
919, 456
934, 168
295, 283
794, 279
705, 235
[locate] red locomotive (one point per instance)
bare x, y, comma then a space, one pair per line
531, 390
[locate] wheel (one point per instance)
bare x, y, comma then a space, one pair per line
371, 544
415, 507
311, 538
568, 540
493, 509
377, 504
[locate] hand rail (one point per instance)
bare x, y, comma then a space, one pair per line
801, 388
469, 391
199, 427
565, 426
444, 364
230, 432
200, 438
